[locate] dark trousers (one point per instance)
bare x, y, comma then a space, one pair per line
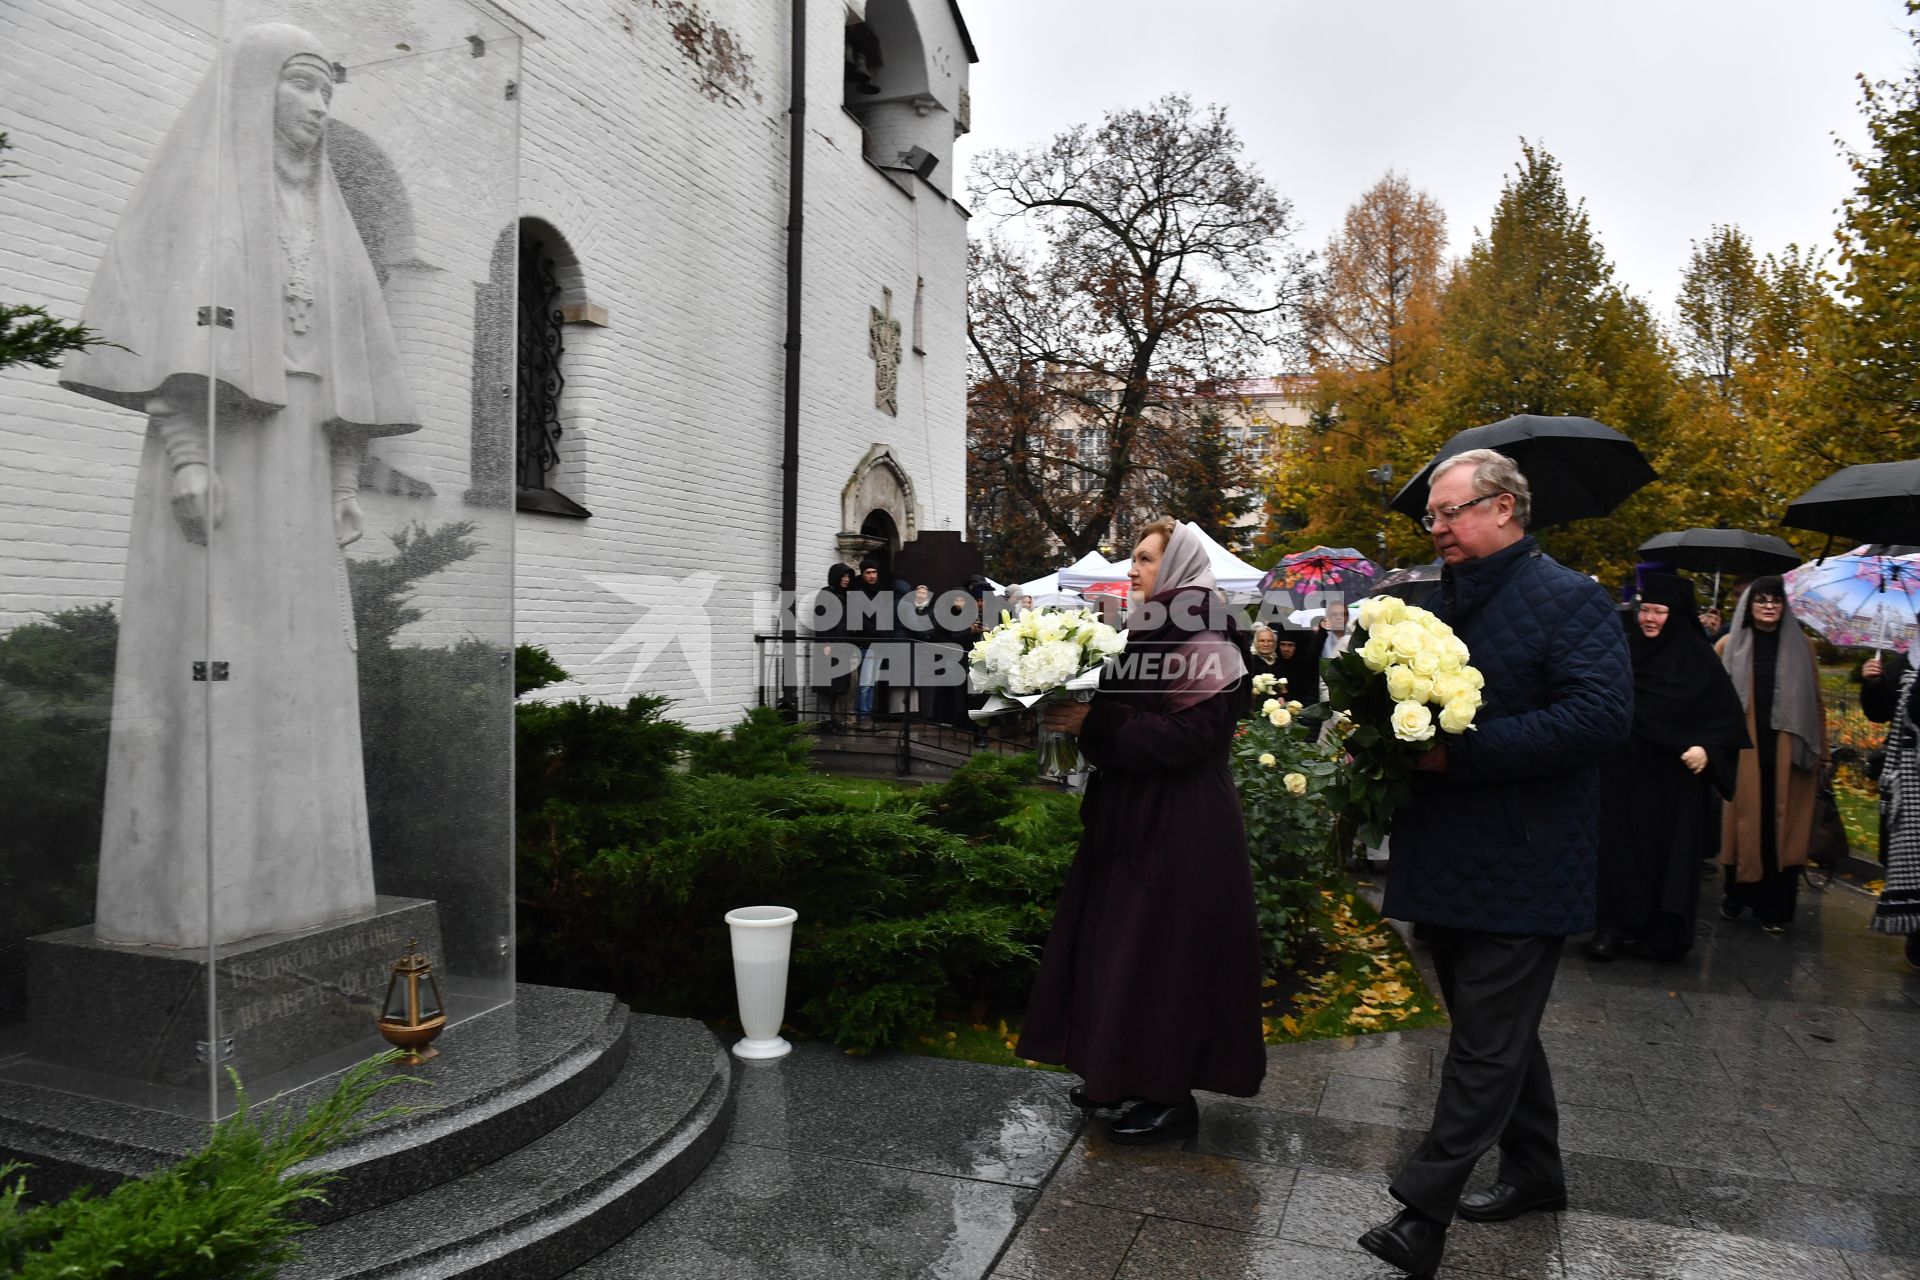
1495, 1087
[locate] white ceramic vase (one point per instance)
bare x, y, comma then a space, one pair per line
762, 941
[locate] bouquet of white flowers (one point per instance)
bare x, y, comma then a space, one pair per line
1043, 654
1406, 679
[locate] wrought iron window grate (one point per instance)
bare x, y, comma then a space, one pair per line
538, 381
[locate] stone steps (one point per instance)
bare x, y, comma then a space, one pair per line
543, 1132
564, 1196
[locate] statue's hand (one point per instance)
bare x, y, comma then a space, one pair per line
199, 503
348, 523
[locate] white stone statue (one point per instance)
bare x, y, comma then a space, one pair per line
254, 340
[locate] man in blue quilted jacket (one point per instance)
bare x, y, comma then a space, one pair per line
1494, 855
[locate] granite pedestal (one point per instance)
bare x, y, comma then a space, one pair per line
140, 1012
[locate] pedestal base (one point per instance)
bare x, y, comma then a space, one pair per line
141, 1011
748, 1047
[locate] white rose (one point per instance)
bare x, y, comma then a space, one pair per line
1263, 685
1377, 653
1267, 707
1400, 682
1407, 639
1426, 662
1457, 716
1473, 677
1296, 783
1449, 685
1422, 689
1279, 717
1294, 705
1412, 722
1381, 610
1268, 759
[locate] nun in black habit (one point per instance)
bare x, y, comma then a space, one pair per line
1688, 731
1149, 987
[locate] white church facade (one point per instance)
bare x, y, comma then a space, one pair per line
628, 172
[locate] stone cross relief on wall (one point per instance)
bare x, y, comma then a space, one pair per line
883, 344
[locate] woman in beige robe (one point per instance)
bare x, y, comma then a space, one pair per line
1768, 825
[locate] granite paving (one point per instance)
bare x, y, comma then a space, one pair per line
1750, 1112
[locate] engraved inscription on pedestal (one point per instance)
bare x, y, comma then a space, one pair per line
141, 1011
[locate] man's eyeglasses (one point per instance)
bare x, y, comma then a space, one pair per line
1450, 514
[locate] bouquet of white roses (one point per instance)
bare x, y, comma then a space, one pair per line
1043, 654
1406, 679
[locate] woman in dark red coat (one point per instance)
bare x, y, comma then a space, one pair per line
1150, 984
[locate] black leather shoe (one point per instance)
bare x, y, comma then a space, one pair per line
1147, 1122
1078, 1097
1505, 1200
1412, 1242
1604, 946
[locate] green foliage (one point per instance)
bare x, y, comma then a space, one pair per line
225, 1212
1878, 337
762, 745
534, 668
1290, 837
637, 836
56, 696
435, 733
1533, 322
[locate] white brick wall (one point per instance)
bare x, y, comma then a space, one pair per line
673, 199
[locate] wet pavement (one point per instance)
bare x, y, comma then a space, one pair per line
1749, 1114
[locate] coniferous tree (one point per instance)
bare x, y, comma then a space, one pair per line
1533, 322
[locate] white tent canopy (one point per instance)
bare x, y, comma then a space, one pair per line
1087, 570
1230, 573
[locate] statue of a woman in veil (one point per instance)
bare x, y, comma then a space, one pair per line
252, 337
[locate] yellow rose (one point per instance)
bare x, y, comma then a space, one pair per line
1294, 705
1296, 783
1268, 759
1457, 716
1377, 652
1412, 722
1426, 662
1400, 682
1279, 717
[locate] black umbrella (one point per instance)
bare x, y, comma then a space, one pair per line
1411, 583
1873, 502
1575, 467
1734, 551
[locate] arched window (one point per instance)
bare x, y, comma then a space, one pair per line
905, 108
549, 297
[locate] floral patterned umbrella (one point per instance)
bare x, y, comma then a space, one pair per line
1322, 570
1859, 600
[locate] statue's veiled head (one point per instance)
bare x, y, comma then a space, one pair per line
300, 103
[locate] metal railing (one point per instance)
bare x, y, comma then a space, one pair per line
795, 676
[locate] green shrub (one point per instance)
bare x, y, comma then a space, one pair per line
225, 1212
56, 701
1291, 838
908, 905
762, 745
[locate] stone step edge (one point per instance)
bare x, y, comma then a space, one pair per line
392, 1162
583, 1221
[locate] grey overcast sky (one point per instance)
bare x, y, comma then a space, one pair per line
1667, 115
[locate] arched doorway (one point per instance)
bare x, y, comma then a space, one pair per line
878, 513
885, 537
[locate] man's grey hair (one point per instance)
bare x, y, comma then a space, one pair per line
1493, 472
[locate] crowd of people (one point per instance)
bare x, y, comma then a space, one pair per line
1615, 751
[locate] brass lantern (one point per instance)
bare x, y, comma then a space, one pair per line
414, 1012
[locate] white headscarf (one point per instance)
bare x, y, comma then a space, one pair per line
1184, 563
